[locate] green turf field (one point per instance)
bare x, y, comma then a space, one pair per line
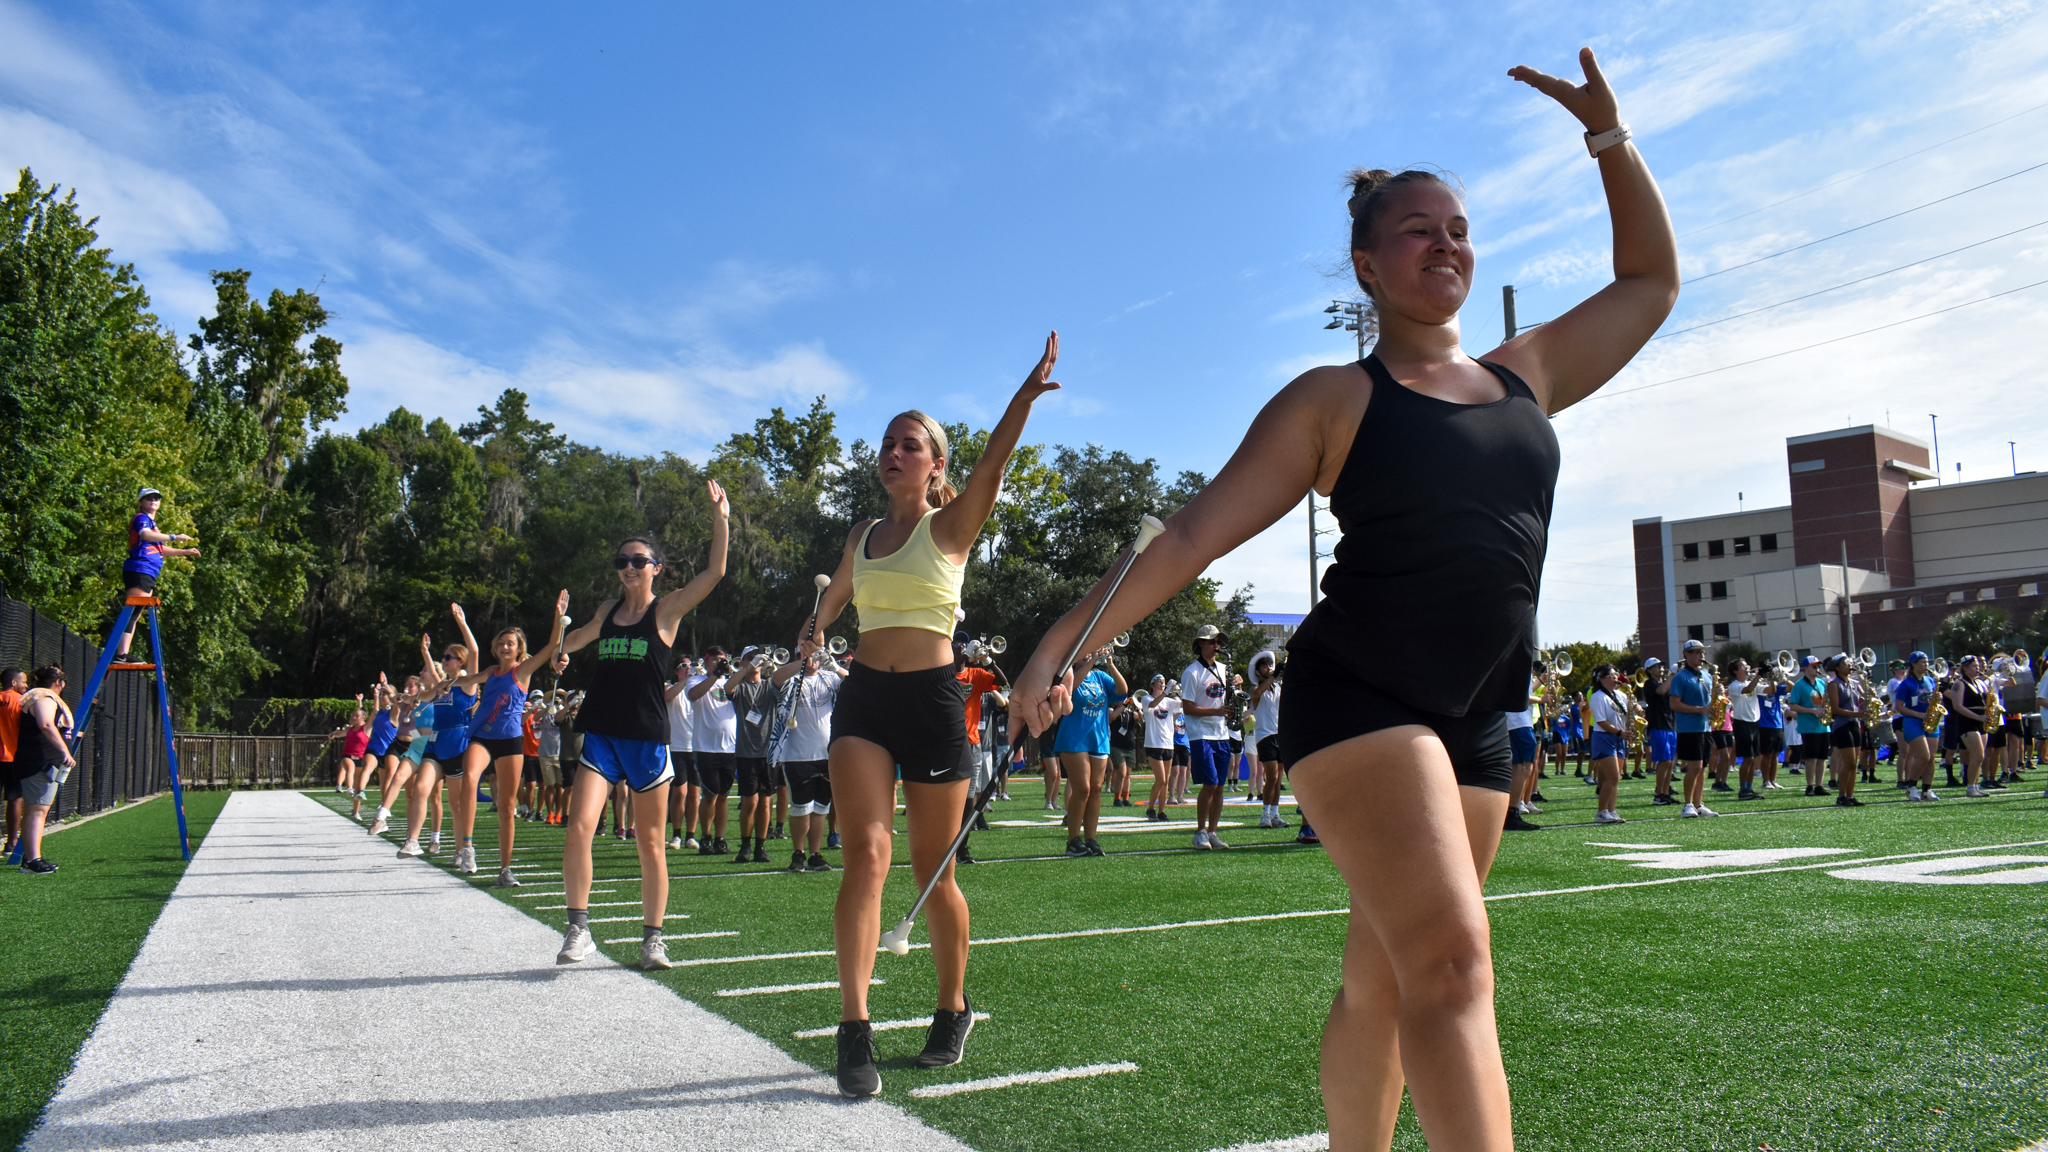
66, 940
1748, 1002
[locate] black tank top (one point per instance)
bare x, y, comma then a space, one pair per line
1445, 512
33, 749
625, 696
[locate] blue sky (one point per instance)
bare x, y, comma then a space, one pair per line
660, 220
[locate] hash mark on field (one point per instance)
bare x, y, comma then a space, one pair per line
546, 895
623, 919
1045, 1077
597, 904
819, 986
877, 1026
1606, 844
669, 935
1313, 1142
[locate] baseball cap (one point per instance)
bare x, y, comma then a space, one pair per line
1808, 661
1915, 656
1208, 632
961, 636
146, 492
1694, 646
714, 650
747, 653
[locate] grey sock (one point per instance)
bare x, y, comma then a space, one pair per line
649, 932
579, 918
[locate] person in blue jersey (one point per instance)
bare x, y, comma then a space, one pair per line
1806, 701
383, 730
624, 723
146, 556
1083, 745
1611, 707
1912, 696
1440, 470
1770, 730
400, 760
1691, 689
497, 740
447, 716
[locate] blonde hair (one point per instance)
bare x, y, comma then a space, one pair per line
515, 630
939, 492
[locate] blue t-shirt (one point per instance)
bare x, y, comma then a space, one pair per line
1809, 694
145, 557
1915, 692
1690, 687
1770, 707
451, 725
1086, 728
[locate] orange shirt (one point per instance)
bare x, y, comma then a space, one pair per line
531, 746
979, 681
10, 724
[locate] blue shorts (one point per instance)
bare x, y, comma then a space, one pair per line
1609, 744
416, 749
643, 765
1209, 762
1522, 745
1911, 729
1663, 745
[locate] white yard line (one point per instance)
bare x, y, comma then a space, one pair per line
877, 1026
1836, 862
1313, 1142
770, 989
266, 1027
1022, 1078
670, 935
623, 919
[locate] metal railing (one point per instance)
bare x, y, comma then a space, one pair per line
122, 754
216, 760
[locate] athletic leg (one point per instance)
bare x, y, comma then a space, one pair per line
648, 808
426, 781
1084, 790
586, 810
864, 799
510, 770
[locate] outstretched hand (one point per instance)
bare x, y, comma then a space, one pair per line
1040, 381
456, 611
718, 501
1592, 102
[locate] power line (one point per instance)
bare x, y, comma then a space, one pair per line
1820, 344
1848, 283
1854, 175
1861, 227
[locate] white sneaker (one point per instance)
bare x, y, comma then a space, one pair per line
465, 859
1703, 810
576, 945
1529, 809
1279, 821
654, 955
410, 848
1202, 841
676, 843
690, 844
1929, 794
1689, 811
507, 880
1216, 841
378, 826
1608, 818
434, 844
1975, 791
1048, 806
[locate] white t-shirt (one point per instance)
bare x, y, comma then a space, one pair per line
1741, 705
1205, 686
810, 719
1159, 717
717, 727
682, 726
1604, 708
1266, 717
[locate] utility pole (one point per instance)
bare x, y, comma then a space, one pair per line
1315, 551
1934, 422
1848, 619
1507, 308
2012, 446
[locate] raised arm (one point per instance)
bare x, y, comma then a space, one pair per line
1569, 358
679, 602
474, 659
837, 593
579, 637
537, 660
956, 526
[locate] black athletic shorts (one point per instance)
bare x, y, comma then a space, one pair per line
1326, 703
1236, 746
752, 773
1269, 748
685, 765
529, 773
1847, 734
1745, 738
1723, 739
1769, 741
1691, 745
715, 773
920, 718
1159, 753
509, 746
1180, 755
138, 581
810, 786
1996, 739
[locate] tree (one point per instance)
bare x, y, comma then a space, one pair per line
513, 448
271, 358
1975, 631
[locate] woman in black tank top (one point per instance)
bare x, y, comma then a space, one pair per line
623, 727
1966, 714
1440, 469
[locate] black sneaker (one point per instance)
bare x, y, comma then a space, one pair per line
1537, 798
1076, 847
857, 1073
1720, 787
1095, 849
760, 854
706, 847
1661, 798
745, 855
1748, 794
1516, 823
946, 1044
963, 856
818, 864
718, 848
37, 867
796, 862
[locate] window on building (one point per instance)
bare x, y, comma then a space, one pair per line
1887, 605
1742, 545
1916, 601
1987, 593
1955, 597
1717, 548
2030, 590
1803, 653
1696, 631
1722, 631
1718, 590
1798, 615
1758, 619
1691, 551
1692, 591
1768, 542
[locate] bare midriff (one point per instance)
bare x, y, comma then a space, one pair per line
903, 649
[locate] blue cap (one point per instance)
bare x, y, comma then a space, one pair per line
1915, 656
961, 636
1808, 661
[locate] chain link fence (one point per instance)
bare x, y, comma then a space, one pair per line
122, 755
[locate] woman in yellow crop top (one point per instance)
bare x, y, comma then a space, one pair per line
902, 706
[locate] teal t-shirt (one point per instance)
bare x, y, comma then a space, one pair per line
1809, 694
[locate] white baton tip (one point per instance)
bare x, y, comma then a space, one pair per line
822, 581
1148, 528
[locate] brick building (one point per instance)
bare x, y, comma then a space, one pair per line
1870, 548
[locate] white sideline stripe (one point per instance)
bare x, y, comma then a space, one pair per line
546, 895
669, 935
877, 1026
1313, 1142
2036, 1146
1640, 847
1045, 1077
623, 919
599, 904
765, 989
1835, 863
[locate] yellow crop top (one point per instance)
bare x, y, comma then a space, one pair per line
912, 587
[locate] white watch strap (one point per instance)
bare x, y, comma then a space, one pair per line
1598, 142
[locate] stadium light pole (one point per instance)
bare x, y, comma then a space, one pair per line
1349, 316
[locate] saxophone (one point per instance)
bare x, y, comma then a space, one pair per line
1717, 708
1827, 706
1994, 706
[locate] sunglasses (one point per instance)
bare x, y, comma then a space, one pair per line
634, 562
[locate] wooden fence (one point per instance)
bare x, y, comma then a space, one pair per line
211, 760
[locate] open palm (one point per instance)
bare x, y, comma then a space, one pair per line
1592, 102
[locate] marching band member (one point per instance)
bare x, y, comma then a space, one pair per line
1845, 741
1913, 698
1661, 737
1690, 691
1610, 708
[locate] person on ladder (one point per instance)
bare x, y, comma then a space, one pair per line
146, 556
